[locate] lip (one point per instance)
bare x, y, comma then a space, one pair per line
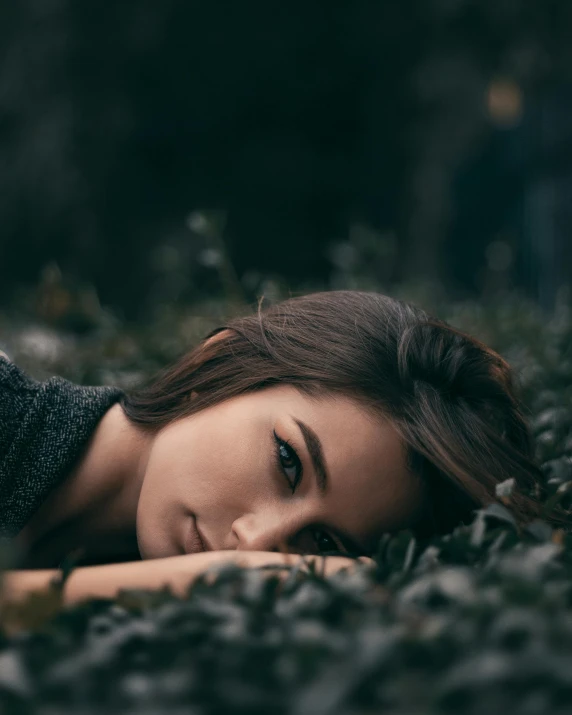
195, 542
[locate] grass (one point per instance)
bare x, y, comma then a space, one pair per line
477, 621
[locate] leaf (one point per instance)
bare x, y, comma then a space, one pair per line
505, 489
499, 513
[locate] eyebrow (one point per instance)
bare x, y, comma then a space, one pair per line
316, 452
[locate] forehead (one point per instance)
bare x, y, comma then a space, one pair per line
371, 489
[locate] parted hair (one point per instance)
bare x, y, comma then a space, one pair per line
450, 397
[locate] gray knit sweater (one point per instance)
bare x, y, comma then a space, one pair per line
44, 427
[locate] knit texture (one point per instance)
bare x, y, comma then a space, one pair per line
44, 428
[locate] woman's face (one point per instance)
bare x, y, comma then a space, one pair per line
276, 469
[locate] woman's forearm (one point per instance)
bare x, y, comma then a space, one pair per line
177, 572
107, 580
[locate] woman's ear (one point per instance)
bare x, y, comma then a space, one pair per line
211, 342
222, 335
205, 345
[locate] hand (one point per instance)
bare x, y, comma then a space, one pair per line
177, 572
326, 565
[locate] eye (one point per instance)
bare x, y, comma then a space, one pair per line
288, 462
325, 542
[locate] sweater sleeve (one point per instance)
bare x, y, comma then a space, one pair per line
44, 428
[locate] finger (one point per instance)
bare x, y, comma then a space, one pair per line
366, 560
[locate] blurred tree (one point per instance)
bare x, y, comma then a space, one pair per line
297, 119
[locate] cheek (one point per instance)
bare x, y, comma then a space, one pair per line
232, 449
222, 458
209, 462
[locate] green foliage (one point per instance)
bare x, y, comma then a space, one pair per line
308, 122
477, 621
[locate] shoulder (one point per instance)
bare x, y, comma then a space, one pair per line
55, 393
44, 427
17, 390
53, 402
11, 375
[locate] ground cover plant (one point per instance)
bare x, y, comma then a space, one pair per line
477, 621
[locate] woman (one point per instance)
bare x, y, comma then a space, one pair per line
311, 427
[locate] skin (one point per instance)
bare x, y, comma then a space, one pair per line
221, 466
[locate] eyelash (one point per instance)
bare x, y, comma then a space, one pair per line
284, 444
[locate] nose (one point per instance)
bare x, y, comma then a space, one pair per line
262, 532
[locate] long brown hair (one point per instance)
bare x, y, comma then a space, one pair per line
451, 398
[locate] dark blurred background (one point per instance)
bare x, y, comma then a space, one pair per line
159, 152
